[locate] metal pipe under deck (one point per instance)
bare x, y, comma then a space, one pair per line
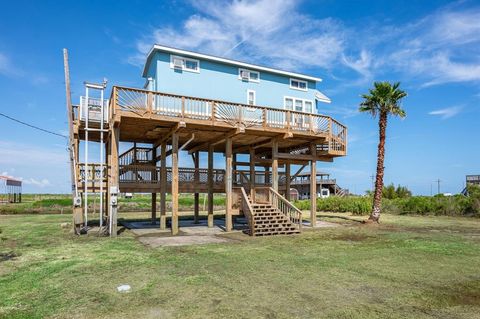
85, 179
101, 159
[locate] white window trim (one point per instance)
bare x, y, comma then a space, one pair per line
254, 97
185, 59
298, 99
299, 89
250, 71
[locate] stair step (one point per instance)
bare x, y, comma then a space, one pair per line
268, 221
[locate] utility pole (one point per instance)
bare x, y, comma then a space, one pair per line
438, 185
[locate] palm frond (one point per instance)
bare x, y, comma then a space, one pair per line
384, 97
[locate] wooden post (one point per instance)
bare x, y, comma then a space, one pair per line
154, 207
275, 165
175, 183
252, 174
163, 185
287, 181
197, 184
149, 102
210, 186
228, 184
154, 178
108, 170
114, 146
313, 186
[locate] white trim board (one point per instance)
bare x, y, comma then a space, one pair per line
186, 53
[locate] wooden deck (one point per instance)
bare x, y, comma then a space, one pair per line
273, 138
146, 116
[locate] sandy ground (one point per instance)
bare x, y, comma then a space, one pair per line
194, 234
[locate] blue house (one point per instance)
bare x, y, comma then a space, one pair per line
196, 103
189, 73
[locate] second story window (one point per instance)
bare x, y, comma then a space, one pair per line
184, 64
298, 84
248, 75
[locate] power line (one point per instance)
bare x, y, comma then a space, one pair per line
33, 126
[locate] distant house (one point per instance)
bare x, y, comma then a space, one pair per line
194, 74
10, 190
470, 180
326, 186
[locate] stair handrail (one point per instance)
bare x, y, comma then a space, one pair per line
288, 209
247, 210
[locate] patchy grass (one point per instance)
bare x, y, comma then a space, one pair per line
408, 267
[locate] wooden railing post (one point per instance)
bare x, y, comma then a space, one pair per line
264, 115
330, 133
289, 120
183, 107
149, 102
214, 109
240, 114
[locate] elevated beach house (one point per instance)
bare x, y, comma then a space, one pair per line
192, 103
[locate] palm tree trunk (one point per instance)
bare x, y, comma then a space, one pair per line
377, 197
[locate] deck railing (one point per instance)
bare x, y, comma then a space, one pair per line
144, 102
94, 109
287, 208
136, 155
93, 172
149, 174
247, 210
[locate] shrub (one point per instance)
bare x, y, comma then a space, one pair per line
414, 205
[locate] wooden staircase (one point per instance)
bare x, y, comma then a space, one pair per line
268, 220
277, 216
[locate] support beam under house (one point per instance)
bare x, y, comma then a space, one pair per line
228, 184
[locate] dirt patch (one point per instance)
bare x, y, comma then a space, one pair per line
8, 256
459, 294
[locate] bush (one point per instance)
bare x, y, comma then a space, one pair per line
457, 205
354, 205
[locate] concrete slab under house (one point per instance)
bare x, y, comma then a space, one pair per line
264, 121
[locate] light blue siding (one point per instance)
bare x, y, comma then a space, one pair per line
220, 81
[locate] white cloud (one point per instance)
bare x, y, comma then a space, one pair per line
6, 67
29, 181
447, 112
263, 31
38, 183
42, 169
442, 47
23, 154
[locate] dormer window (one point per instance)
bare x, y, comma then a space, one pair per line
248, 75
184, 64
298, 85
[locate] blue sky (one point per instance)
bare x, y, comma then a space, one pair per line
431, 47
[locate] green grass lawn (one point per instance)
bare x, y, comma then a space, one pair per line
408, 267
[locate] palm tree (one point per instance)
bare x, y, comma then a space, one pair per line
383, 100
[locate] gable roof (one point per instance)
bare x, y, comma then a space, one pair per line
202, 56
